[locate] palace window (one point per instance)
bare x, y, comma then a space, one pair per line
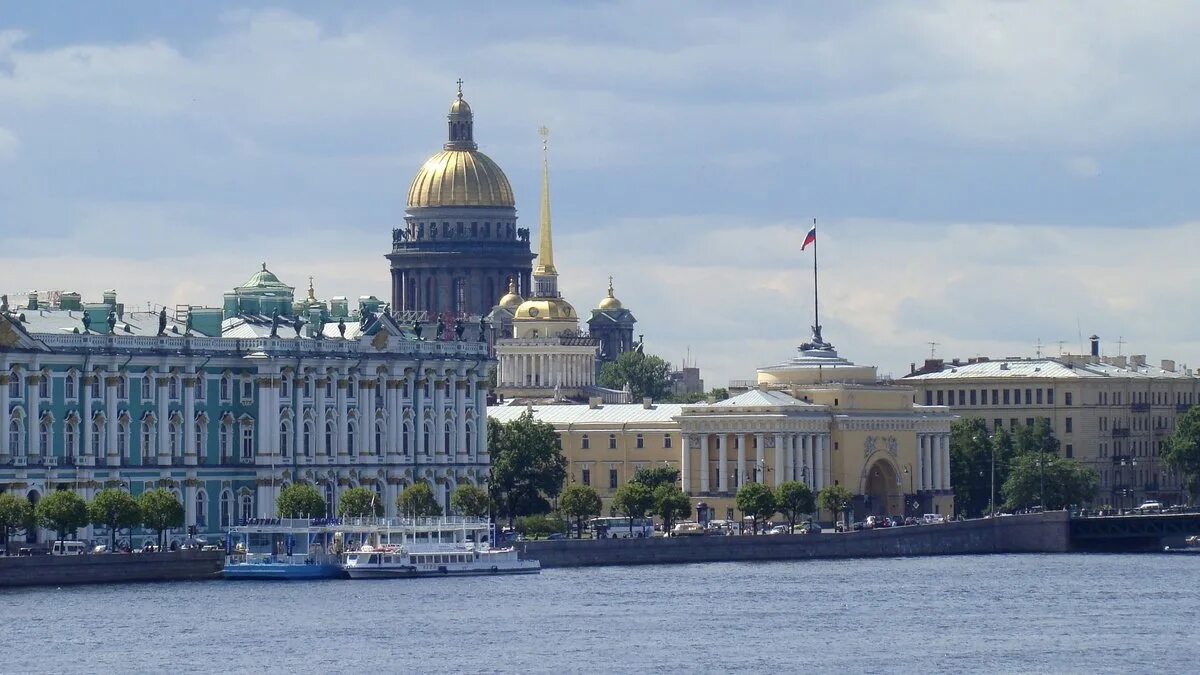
122, 439
247, 441
225, 439
247, 389
199, 387
14, 386
351, 436
147, 386
44, 438
247, 511
176, 439
612, 478
285, 386
122, 387
200, 449
583, 442
285, 438
612, 441
173, 388
585, 476
44, 386
226, 508
380, 436
201, 509
70, 440
14, 438
1069, 425
928, 397
69, 386
329, 434
147, 440
224, 388
640, 442
96, 386
666, 440
1039, 396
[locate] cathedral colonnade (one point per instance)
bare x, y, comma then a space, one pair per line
723, 462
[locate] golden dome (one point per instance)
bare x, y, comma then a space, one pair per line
545, 309
460, 178
512, 299
460, 107
611, 302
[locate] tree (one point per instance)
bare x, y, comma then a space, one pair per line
835, 499
470, 500
300, 501
757, 501
160, 511
1038, 438
671, 504
1183, 452
654, 476
528, 466
62, 511
579, 502
16, 513
116, 510
646, 375
793, 498
361, 502
1065, 482
417, 501
633, 500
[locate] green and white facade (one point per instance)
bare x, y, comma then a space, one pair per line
226, 406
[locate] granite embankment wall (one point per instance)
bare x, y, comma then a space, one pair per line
114, 568
1037, 533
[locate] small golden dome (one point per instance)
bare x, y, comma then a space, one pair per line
545, 309
460, 178
512, 299
459, 107
610, 302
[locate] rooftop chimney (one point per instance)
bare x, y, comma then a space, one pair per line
1168, 365
33, 301
647, 402
1095, 345
594, 402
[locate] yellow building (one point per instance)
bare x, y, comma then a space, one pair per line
1112, 413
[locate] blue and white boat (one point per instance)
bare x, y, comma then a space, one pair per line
284, 549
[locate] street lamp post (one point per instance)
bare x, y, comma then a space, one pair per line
908, 472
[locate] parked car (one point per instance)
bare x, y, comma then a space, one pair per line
860, 525
778, 529
1150, 506
687, 530
808, 528
556, 535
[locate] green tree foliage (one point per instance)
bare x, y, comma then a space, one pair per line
471, 501
360, 502
579, 502
719, 393
540, 525
835, 499
62, 511
757, 501
417, 501
646, 375
528, 466
654, 476
1183, 452
160, 511
300, 501
671, 504
16, 513
971, 461
1037, 438
793, 499
1066, 482
633, 500
116, 510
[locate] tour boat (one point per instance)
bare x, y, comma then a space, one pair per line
396, 562
281, 549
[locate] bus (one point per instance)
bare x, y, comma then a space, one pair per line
619, 528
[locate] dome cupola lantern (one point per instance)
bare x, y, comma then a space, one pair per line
461, 123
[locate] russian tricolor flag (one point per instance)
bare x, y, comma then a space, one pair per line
810, 238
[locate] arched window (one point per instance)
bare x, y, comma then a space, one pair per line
351, 435
285, 438
201, 446
225, 439
426, 436
379, 437
44, 386
14, 438
70, 441
448, 438
226, 508
147, 386
247, 440
122, 387
226, 382
201, 509
467, 445
285, 386
351, 387
173, 388
14, 385
329, 434
406, 437
247, 510
147, 441
69, 386
176, 439
308, 434
199, 386
44, 438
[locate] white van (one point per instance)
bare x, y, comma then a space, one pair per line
67, 548
933, 519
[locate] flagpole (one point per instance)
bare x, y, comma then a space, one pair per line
816, 296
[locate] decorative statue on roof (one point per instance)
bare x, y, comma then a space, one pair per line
187, 326
458, 329
416, 328
342, 328
319, 327
367, 319
87, 322
482, 328
4, 303
297, 325
112, 321
162, 322
440, 332
274, 323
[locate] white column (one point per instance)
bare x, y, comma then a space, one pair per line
418, 443
480, 452
85, 416
85, 423
818, 462
685, 463
343, 412
722, 464
319, 420
189, 503
780, 464
461, 452
935, 464
189, 429
945, 459
34, 422
163, 426
703, 459
760, 459
741, 460
439, 412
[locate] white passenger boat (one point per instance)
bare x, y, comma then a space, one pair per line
433, 547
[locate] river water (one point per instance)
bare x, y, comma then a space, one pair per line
1001, 613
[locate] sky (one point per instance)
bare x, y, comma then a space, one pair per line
987, 176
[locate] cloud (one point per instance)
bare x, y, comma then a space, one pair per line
8, 144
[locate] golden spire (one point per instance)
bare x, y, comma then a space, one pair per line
545, 266
610, 288
312, 296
